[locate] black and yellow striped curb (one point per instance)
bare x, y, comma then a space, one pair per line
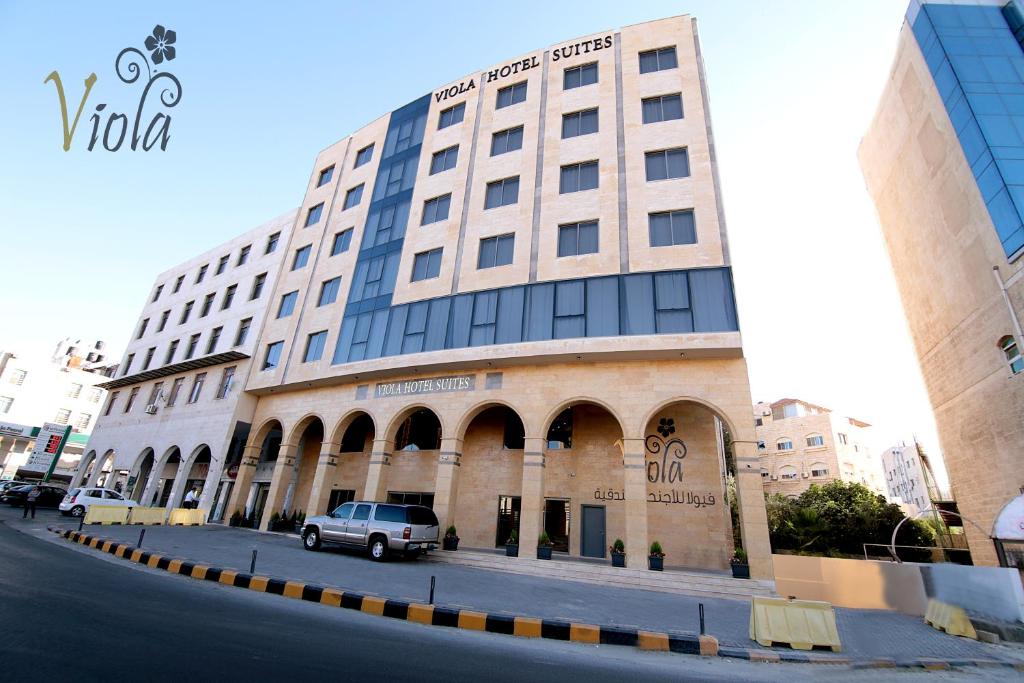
526, 627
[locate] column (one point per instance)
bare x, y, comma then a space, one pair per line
178, 485
531, 514
635, 484
377, 474
149, 492
753, 518
243, 481
279, 483
326, 473
446, 485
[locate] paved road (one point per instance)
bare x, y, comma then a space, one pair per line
70, 613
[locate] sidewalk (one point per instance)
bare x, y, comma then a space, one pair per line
866, 634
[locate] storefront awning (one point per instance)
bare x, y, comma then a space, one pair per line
174, 369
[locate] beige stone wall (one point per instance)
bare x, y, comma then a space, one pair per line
943, 248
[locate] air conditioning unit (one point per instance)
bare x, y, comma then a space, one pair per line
806, 475
775, 477
151, 409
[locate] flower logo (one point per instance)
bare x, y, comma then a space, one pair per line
160, 44
666, 426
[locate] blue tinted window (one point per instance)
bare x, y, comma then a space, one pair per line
502, 193
342, 240
287, 305
426, 265
512, 94
325, 176
436, 209
579, 76
329, 291
578, 177
272, 356
507, 141
314, 214
667, 163
452, 115
663, 108
352, 197
364, 155
301, 257
575, 239
444, 160
658, 60
496, 251
579, 123
315, 346
672, 227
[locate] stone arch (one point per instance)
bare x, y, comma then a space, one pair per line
474, 411
346, 420
187, 472
397, 422
292, 435
580, 400
307, 438
718, 412
141, 469
258, 435
98, 468
161, 483
84, 468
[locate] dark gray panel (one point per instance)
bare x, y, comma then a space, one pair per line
671, 291
378, 327
638, 304
714, 309
344, 341
510, 316
603, 307
396, 331
437, 324
462, 314
540, 310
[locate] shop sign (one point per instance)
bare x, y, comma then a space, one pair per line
11, 429
434, 385
48, 447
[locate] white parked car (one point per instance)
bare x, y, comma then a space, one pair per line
77, 502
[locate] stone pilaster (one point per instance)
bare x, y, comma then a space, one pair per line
279, 483
243, 480
446, 484
531, 515
326, 467
753, 517
377, 473
635, 484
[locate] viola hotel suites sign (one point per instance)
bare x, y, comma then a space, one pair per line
432, 385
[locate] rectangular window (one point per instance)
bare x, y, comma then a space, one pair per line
313, 216
5, 404
579, 123
496, 251
222, 264
156, 294
576, 239
329, 291
578, 177
273, 355
667, 163
436, 209
287, 305
444, 160
95, 395
74, 391
18, 376
243, 255
202, 273
816, 440
110, 403
363, 156
211, 346
257, 286
315, 346
142, 328
163, 320
149, 357
272, 242
243, 331
451, 115
63, 416
131, 399
426, 265
325, 176
511, 94
668, 228
352, 197
820, 472
301, 257
177, 284
171, 350
82, 421
186, 312
502, 193
229, 296
507, 141
842, 438
227, 378
127, 364
207, 305
154, 394
663, 108
658, 60
175, 390
342, 240
579, 76
193, 342
197, 387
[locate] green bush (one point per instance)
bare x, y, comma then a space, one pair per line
513, 538
618, 546
656, 550
544, 540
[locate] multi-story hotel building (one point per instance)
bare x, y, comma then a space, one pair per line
942, 161
176, 416
511, 299
802, 444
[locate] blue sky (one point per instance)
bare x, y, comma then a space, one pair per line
793, 86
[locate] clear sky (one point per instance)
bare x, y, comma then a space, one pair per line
793, 86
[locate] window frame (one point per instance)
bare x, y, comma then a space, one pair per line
657, 53
578, 227
444, 155
342, 235
494, 243
579, 70
513, 93
452, 111
426, 257
577, 116
325, 176
502, 183
430, 206
507, 133
661, 108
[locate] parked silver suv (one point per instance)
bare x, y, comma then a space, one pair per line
378, 528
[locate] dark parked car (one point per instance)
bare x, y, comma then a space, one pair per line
49, 497
10, 483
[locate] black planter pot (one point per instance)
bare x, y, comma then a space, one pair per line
655, 564
543, 552
740, 571
234, 522
450, 543
511, 550
618, 559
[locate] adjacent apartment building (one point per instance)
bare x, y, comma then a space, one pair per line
942, 161
802, 444
510, 299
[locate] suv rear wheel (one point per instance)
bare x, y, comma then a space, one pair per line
379, 548
311, 541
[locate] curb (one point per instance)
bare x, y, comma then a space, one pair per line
524, 627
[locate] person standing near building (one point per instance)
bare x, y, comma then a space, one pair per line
192, 498
30, 501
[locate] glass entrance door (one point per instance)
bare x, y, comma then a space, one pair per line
509, 508
556, 523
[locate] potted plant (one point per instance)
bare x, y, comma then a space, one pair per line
512, 544
300, 519
656, 558
235, 519
275, 520
451, 539
738, 562
618, 551
544, 546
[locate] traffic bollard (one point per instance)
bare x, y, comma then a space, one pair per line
252, 565
142, 534
431, 590
81, 521
700, 607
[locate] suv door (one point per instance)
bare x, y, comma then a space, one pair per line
355, 532
336, 522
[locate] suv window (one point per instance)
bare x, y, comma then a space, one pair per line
75, 492
343, 512
421, 516
362, 512
389, 513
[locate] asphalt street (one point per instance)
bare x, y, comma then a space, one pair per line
70, 613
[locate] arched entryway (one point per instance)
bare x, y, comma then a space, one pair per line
139, 475
85, 468
309, 437
416, 434
193, 474
354, 435
269, 439
165, 473
102, 471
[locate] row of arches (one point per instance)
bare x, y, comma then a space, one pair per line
152, 480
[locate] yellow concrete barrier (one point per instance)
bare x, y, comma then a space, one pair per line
800, 623
141, 515
949, 618
187, 517
106, 514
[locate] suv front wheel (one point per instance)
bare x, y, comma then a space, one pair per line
311, 541
379, 548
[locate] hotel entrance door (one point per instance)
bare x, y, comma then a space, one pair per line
592, 534
508, 518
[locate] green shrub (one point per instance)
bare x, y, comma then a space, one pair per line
656, 550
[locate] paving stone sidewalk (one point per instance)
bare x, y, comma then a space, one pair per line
865, 634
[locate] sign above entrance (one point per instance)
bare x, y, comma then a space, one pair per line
434, 385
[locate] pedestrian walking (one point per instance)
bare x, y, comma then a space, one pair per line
30, 502
192, 498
